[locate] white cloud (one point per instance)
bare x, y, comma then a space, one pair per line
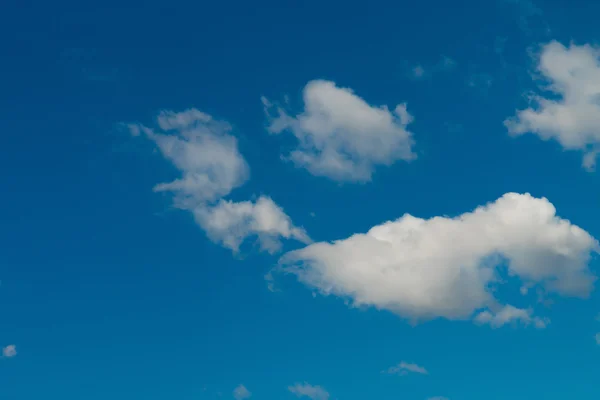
341, 136
510, 314
211, 166
241, 393
445, 267
570, 112
9, 351
310, 391
405, 368
203, 150
597, 337
231, 223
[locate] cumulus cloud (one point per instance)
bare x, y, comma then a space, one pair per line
570, 111
340, 135
510, 314
310, 391
241, 393
447, 267
203, 150
229, 223
211, 166
405, 368
9, 351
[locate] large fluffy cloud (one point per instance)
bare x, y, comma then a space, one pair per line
211, 166
570, 111
340, 135
445, 267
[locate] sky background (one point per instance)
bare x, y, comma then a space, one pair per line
108, 291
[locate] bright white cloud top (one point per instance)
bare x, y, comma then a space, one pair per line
570, 111
211, 166
443, 267
340, 135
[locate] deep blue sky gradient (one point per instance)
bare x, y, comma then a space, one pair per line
108, 293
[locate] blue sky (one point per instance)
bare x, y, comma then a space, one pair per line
276, 200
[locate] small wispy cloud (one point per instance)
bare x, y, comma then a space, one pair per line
511, 315
481, 81
241, 393
9, 351
405, 368
307, 390
420, 71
